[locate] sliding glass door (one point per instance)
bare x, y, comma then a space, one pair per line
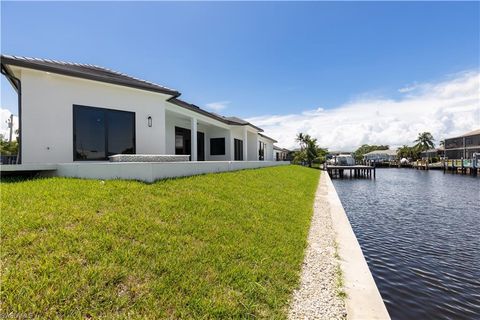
99, 133
183, 143
238, 149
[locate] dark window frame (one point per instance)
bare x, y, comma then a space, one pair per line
105, 110
222, 148
187, 141
261, 150
238, 150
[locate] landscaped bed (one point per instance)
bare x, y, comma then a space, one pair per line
219, 245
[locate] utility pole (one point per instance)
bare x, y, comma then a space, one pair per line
10, 126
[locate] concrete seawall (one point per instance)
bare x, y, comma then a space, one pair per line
363, 299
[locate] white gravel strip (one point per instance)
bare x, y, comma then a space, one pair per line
317, 297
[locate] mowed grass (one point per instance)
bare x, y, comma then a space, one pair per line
226, 245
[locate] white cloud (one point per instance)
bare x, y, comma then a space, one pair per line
446, 108
4, 116
217, 106
408, 88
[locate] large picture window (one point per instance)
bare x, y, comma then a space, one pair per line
99, 133
217, 146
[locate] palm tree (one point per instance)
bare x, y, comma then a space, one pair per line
308, 149
303, 139
404, 151
425, 141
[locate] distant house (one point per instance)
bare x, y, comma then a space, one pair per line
464, 146
280, 154
380, 156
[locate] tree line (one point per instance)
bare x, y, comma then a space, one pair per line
8, 148
310, 153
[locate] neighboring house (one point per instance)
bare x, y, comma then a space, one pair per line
464, 146
71, 112
280, 154
380, 156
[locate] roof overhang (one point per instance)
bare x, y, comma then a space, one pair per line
268, 138
5, 60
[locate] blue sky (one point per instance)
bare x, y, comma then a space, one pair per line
255, 59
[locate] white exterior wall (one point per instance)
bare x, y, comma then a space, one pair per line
269, 151
215, 132
252, 146
47, 118
47, 114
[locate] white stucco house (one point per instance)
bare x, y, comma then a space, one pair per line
280, 154
71, 112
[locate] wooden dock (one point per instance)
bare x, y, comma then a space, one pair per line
356, 171
462, 166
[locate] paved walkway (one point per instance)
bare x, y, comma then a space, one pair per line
317, 297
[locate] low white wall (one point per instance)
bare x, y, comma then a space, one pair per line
149, 172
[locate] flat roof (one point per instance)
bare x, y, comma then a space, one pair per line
471, 133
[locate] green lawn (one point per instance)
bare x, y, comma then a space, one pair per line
213, 246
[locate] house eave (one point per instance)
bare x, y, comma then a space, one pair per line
83, 75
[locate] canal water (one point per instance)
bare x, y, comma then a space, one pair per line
420, 234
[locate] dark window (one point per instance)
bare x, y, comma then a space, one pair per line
454, 143
217, 146
261, 150
89, 134
183, 143
454, 154
120, 132
238, 154
183, 140
472, 141
200, 146
99, 133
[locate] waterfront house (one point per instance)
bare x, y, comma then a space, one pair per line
464, 146
378, 156
71, 112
